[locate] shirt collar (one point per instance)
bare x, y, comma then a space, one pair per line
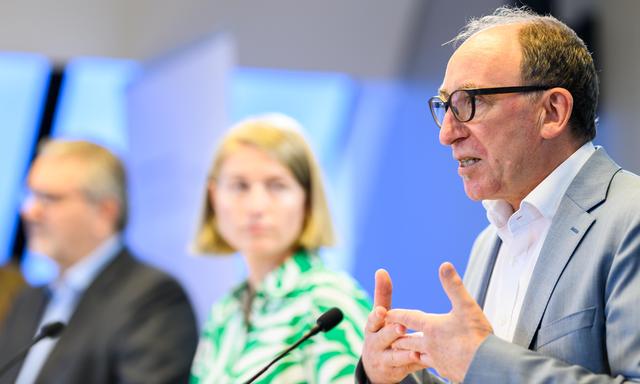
545, 197
284, 279
79, 276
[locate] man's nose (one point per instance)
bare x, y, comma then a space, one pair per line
30, 208
451, 129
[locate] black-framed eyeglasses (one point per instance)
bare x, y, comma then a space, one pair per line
463, 101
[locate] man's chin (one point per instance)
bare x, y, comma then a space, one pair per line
478, 190
472, 193
40, 248
36, 248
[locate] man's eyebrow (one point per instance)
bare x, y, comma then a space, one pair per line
444, 94
468, 85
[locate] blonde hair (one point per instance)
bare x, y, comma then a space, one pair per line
279, 136
105, 176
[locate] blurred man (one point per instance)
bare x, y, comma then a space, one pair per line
551, 292
126, 322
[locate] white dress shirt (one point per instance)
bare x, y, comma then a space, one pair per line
65, 293
523, 233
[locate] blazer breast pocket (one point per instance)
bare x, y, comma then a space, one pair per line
566, 325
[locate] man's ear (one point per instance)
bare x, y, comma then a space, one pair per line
111, 209
558, 105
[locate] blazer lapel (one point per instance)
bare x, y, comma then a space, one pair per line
20, 328
477, 281
569, 225
35, 306
29, 310
84, 315
567, 229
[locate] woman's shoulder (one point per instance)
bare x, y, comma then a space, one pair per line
327, 288
323, 277
227, 306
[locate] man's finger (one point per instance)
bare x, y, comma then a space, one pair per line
410, 342
426, 360
376, 319
383, 289
398, 373
453, 287
401, 358
410, 318
386, 336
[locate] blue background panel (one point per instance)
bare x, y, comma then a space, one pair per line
91, 106
395, 196
92, 101
24, 79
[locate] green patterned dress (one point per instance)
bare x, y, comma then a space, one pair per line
285, 306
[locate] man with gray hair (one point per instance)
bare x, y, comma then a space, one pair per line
126, 322
551, 292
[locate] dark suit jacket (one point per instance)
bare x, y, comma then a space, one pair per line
134, 324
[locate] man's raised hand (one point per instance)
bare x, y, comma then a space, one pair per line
445, 342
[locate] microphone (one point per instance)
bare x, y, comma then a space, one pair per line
325, 322
48, 330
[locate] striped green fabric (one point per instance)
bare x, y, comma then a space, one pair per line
285, 307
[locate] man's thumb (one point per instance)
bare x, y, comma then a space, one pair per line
453, 286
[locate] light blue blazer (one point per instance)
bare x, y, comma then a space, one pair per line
580, 319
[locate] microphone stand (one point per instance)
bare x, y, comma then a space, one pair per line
325, 322
312, 332
47, 330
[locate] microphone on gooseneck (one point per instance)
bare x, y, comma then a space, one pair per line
48, 330
325, 322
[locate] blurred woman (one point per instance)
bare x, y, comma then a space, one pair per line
265, 200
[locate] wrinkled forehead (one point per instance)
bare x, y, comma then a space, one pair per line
490, 58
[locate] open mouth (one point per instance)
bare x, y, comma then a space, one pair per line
468, 161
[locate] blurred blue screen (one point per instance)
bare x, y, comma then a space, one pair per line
92, 103
91, 106
393, 189
322, 102
24, 79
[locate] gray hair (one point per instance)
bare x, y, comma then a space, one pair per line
105, 177
501, 16
552, 54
